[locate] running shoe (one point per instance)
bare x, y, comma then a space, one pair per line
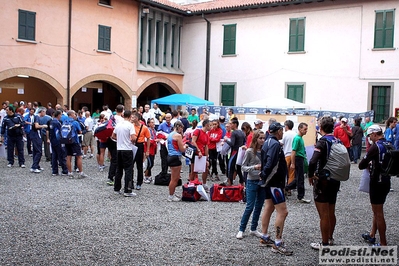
368, 238
280, 248
331, 242
173, 198
82, 175
110, 182
131, 194
317, 245
22, 166
9, 165
138, 187
266, 241
256, 233
303, 200
240, 235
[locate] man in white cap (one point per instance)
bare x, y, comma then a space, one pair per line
379, 184
343, 132
258, 124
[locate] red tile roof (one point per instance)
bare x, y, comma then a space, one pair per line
220, 5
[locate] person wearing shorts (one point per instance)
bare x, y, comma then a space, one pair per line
379, 185
325, 189
175, 149
273, 175
74, 149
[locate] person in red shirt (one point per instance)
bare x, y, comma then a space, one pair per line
215, 135
200, 141
343, 132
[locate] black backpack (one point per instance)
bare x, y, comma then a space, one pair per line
389, 158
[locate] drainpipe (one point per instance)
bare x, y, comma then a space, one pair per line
69, 56
208, 54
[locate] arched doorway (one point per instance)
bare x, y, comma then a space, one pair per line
154, 88
95, 94
29, 85
96, 90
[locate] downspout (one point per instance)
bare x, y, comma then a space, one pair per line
208, 54
69, 56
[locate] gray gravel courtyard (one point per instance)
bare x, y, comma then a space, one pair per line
48, 220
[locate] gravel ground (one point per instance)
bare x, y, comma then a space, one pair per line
48, 220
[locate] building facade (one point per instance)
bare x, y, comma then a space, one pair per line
331, 55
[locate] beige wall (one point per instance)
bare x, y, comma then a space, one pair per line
46, 60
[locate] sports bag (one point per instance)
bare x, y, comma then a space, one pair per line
68, 134
104, 131
162, 179
227, 193
190, 192
389, 158
338, 162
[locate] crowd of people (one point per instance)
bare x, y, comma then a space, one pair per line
275, 161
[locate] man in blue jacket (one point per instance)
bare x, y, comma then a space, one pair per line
13, 124
29, 118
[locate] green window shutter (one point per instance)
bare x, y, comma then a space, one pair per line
227, 97
165, 42
104, 38
384, 29
381, 103
297, 35
26, 25
295, 93
229, 40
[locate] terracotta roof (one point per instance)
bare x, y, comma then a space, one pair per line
220, 5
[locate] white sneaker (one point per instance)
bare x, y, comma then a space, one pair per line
173, 198
316, 245
23, 166
303, 200
131, 194
256, 233
206, 188
36, 171
240, 235
91, 156
9, 165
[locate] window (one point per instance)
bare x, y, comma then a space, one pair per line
381, 97
384, 29
26, 25
297, 35
229, 39
159, 48
104, 38
295, 92
105, 2
228, 92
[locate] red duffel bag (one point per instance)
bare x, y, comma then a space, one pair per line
227, 193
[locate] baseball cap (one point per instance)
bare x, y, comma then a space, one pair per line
275, 126
258, 121
343, 119
374, 129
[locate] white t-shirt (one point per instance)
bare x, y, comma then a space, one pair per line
157, 111
107, 113
287, 139
89, 123
148, 115
3, 114
118, 119
123, 130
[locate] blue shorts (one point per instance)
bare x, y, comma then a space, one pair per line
73, 149
275, 194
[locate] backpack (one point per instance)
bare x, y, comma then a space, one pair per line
104, 131
389, 158
338, 162
68, 134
